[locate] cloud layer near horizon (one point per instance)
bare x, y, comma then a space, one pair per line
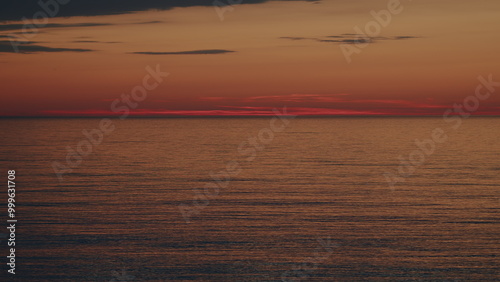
296, 104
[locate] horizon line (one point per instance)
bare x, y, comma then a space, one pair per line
239, 116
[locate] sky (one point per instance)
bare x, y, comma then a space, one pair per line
312, 57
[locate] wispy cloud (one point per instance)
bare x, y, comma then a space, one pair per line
31, 47
95, 41
150, 22
349, 38
294, 38
85, 41
194, 52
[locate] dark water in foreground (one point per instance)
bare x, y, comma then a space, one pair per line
315, 194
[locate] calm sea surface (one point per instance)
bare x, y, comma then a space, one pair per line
311, 204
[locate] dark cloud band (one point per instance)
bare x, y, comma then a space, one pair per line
16, 10
8, 27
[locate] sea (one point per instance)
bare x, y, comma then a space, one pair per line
252, 199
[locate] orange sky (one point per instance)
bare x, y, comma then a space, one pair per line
426, 59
